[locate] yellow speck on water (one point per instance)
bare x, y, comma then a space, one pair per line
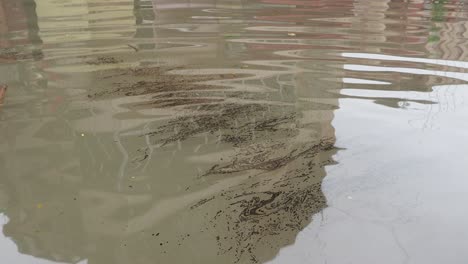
82, 134
39, 206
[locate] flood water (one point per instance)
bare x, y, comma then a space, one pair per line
233, 131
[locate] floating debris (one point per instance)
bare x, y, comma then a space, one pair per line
156, 81
282, 186
3, 90
133, 47
104, 60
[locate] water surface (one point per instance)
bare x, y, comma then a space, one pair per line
233, 131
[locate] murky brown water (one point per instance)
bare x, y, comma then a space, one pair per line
228, 131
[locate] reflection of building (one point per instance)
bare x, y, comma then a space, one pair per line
12, 21
18, 44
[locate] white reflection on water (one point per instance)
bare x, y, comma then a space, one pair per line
451, 63
366, 68
363, 81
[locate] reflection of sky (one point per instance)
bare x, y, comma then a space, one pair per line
10, 252
398, 193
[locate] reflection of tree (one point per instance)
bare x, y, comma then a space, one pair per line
437, 15
438, 10
445, 43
